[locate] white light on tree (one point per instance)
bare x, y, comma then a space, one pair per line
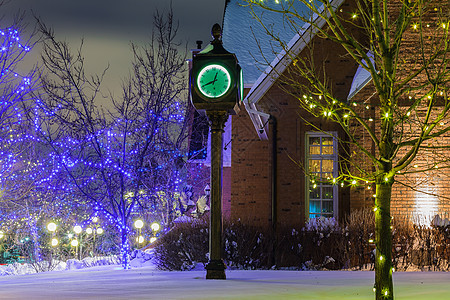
74, 243
51, 227
2, 234
95, 219
77, 229
89, 230
99, 230
54, 242
138, 224
155, 226
70, 235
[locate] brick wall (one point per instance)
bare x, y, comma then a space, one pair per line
251, 157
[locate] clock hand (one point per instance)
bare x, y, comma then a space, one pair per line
211, 82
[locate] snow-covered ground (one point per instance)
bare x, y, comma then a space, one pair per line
112, 282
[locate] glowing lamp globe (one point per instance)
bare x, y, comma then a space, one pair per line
153, 239
155, 226
77, 229
89, 230
140, 239
54, 242
138, 224
1, 234
74, 243
99, 230
51, 227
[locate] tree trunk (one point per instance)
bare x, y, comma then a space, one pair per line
383, 261
36, 244
125, 248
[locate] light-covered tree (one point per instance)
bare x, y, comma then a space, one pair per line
404, 47
126, 156
17, 140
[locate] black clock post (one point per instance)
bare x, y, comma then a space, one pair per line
216, 89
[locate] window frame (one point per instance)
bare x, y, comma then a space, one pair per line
309, 157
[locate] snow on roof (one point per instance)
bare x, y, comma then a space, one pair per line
361, 78
244, 35
247, 38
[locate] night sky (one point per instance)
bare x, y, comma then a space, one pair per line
108, 26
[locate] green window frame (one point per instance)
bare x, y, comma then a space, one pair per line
322, 167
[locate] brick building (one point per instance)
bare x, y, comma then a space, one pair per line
274, 140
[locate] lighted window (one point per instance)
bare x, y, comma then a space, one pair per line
321, 158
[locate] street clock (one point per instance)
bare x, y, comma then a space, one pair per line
216, 78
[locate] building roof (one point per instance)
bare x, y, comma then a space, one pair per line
260, 78
245, 36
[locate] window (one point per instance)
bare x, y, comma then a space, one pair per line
321, 160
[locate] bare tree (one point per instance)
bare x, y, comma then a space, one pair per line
17, 182
121, 158
404, 47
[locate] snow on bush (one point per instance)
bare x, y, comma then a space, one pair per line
55, 265
322, 224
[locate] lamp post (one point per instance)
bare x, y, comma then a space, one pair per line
216, 88
95, 230
155, 228
139, 224
74, 243
77, 229
54, 241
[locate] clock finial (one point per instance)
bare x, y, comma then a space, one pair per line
216, 32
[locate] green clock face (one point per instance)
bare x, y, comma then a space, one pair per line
213, 81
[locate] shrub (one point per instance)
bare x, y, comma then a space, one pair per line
321, 244
186, 245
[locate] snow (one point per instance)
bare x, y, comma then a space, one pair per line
112, 282
361, 78
76, 280
247, 38
71, 264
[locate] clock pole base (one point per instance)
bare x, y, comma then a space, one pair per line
215, 269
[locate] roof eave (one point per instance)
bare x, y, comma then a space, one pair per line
281, 62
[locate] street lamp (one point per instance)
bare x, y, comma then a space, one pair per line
94, 231
77, 229
51, 227
139, 224
155, 227
54, 242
